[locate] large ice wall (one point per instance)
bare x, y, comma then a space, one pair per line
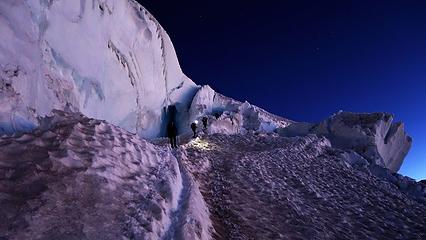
109, 59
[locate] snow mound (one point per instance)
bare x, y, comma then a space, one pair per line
228, 116
81, 178
372, 135
110, 60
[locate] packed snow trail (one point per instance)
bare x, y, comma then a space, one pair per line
269, 187
178, 216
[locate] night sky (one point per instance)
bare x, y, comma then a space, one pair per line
305, 60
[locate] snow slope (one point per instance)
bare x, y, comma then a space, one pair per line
109, 59
81, 178
271, 187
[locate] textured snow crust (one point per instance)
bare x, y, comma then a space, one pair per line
271, 187
372, 135
81, 178
109, 59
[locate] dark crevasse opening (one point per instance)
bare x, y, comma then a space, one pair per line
168, 116
177, 113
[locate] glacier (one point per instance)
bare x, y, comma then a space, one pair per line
86, 90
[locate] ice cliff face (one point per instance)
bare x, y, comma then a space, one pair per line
109, 59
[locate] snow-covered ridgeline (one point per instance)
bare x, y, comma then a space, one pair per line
107, 59
374, 136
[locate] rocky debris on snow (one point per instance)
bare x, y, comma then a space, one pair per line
81, 178
374, 136
270, 187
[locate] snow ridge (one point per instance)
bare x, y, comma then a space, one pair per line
191, 218
79, 175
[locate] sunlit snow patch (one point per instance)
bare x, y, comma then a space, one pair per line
201, 144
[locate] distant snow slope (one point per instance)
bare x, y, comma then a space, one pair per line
109, 59
83, 178
372, 135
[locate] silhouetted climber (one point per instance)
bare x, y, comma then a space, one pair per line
217, 115
194, 128
205, 119
171, 133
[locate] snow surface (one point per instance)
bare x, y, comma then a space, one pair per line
83, 178
270, 187
80, 178
109, 59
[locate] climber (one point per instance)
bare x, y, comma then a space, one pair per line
194, 128
205, 122
171, 133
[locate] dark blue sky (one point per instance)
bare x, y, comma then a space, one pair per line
305, 60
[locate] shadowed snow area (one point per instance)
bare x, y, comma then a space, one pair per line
87, 179
269, 187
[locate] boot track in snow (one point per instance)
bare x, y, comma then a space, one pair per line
178, 217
